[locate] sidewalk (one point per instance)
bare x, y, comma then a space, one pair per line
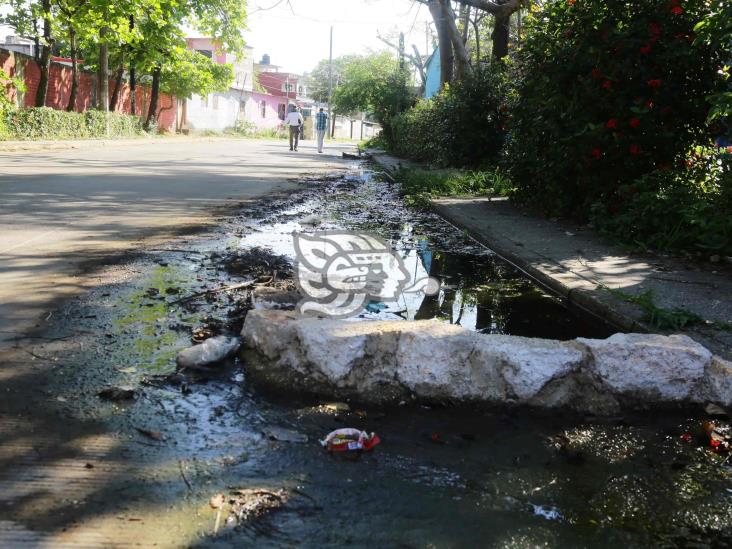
57, 145
577, 264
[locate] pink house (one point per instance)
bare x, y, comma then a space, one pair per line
265, 110
248, 99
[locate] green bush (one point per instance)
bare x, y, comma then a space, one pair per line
47, 123
683, 209
607, 93
463, 126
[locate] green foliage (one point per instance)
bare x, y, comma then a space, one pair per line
667, 319
318, 80
374, 84
462, 126
47, 123
715, 31
248, 129
683, 209
420, 185
657, 317
607, 92
188, 72
376, 142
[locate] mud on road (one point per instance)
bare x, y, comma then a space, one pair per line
206, 458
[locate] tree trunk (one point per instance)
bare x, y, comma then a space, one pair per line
36, 43
117, 85
133, 82
332, 126
476, 29
152, 112
103, 77
45, 61
462, 59
443, 41
500, 36
133, 90
74, 71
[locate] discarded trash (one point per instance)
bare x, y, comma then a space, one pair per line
117, 394
155, 435
311, 220
549, 513
209, 352
284, 435
714, 410
199, 335
217, 502
719, 436
336, 407
249, 503
350, 440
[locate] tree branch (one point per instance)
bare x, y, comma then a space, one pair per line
495, 8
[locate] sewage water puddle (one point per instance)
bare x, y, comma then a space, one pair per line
442, 476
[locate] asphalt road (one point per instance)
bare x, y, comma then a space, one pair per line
63, 212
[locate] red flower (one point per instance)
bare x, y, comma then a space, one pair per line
596, 74
596, 153
634, 122
686, 437
607, 84
649, 103
655, 83
612, 124
635, 149
645, 50
571, 2
654, 29
677, 10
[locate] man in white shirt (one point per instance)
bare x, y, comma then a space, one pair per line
293, 121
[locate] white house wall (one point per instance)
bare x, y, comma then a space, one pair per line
216, 112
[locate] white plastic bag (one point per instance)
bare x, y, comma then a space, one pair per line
212, 350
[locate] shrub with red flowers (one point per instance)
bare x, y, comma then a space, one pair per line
621, 96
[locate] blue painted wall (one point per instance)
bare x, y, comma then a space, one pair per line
432, 87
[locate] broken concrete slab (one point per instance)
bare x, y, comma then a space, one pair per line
386, 361
648, 366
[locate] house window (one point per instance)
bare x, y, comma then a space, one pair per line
206, 53
288, 87
281, 111
263, 108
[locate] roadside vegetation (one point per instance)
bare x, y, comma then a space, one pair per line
47, 123
142, 41
419, 185
612, 114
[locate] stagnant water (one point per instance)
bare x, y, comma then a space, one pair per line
442, 477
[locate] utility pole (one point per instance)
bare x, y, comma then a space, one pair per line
330, 81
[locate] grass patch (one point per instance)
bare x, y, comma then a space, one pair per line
667, 319
420, 185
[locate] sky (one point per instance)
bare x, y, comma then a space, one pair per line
295, 33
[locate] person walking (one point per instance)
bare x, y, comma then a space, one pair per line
321, 126
293, 121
